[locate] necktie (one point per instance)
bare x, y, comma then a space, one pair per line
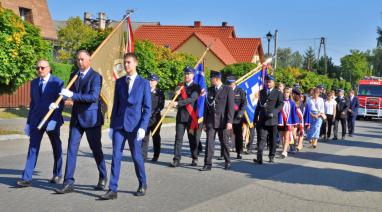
128, 85
40, 86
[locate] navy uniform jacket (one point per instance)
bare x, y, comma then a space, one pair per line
192, 91
240, 105
268, 107
131, 111
157, 105
342, 106
39, 104
219, 107
86, 110
354, 105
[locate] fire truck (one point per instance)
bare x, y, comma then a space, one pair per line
370, 97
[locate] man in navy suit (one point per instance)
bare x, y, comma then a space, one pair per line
129, 121
86, 118
352, 112
44, 91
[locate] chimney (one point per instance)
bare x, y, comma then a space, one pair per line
87, 18
197, 24
224, 24
101, 21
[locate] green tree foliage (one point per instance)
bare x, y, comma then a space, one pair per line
287, 58
355, 66
379, 38
72, 36
237, 70
310, 62
21, 45
61, 70
308, 79
376, 61
161, 61
92, 44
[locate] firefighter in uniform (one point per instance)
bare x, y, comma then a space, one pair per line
157, 104
238, 119
218, 118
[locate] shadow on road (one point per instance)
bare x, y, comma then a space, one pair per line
336, 178
352, 160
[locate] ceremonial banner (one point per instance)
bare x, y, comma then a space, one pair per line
108, 61
252, 86
200, 79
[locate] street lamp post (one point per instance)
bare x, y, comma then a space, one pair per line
269, 37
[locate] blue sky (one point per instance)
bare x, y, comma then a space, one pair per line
347, 24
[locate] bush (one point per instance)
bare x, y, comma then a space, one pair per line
21, 46
61, 70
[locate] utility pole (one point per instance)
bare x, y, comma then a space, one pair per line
275, 51
323, 44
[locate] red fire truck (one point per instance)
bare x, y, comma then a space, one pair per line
370, 97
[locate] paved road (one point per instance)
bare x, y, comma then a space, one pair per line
337, 176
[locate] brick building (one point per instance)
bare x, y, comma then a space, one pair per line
35, 12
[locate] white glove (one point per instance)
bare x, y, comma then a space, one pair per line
141, 134
111, 133
51, 125
27, 130
53, 106
67, 93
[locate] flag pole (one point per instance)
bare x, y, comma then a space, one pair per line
252, 72
178, 91
129, 12
57, 102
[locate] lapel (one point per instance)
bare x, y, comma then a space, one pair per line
37, 89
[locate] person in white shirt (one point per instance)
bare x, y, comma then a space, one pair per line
317, 114
330, 112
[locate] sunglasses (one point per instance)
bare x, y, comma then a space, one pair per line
41, 67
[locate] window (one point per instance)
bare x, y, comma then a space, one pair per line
26, 14
370, 90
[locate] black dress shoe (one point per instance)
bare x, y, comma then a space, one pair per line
55, 179
141, 191
271, 160
350, 135
258, 161
206, 168
24, 183
175, 163
154, 159
239, 157
66, 189
219, 158
227, 166
101, 184
109, 195
194, 162
335, 138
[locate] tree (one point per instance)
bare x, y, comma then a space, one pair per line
379, 39
355, 66
296, 60
161, 61
284, 57
237, 70
72, 36
309, 59
375, 59
21, 45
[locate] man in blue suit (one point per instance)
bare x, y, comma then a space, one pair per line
86, 118
44, 91
129, 120
352, 112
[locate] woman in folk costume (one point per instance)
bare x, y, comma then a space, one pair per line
317, 115
298, 131
287, 120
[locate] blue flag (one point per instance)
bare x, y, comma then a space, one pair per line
201, 81
252, 87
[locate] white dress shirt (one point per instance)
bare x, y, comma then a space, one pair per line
132, 79
317, 105
44, 82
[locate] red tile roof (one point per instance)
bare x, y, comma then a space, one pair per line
226, 47
243, 49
